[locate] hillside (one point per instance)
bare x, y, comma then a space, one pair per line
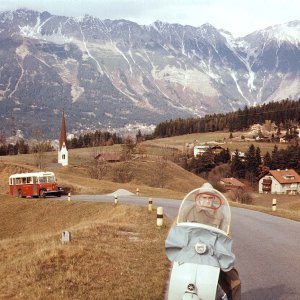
218, 137
146, 174
103, 260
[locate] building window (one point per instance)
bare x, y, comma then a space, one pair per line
288, 177
266, 184
63, 156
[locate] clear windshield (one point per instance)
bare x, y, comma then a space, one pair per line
207, 206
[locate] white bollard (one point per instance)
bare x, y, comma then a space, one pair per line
160, 216
274, 203
150, 204
69, 196
116, 199
137, 191
66, 237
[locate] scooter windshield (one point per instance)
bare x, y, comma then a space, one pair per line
206, 206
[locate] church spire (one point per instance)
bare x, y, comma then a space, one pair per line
63, 156
63, 132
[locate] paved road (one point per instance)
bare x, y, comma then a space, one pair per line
267, 248
268, 255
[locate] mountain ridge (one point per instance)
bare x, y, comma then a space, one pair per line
110, 73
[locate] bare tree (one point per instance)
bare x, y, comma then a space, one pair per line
98, 166
2, 138
161, 170
39, 148
128, 148
141, 149
160, 176
217, 173
122, 172
241, 196
98, 169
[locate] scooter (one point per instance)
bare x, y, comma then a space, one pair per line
199, 246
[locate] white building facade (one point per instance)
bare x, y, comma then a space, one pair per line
280, 182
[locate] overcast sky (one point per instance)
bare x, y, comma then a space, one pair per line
240, 17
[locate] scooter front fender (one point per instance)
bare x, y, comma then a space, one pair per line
185, 276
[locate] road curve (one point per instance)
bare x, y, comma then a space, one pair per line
267, 248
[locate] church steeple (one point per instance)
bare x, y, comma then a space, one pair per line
63, 156
63, 132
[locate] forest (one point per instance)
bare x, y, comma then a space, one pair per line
252, 167
283, 113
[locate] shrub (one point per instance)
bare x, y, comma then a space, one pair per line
122, 173
241, 196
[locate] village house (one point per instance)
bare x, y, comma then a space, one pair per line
217, 149
280, 182
199, 150
241, 155
231, 184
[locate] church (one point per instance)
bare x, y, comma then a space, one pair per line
63, 158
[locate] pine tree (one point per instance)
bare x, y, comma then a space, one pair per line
237, 166
267, 160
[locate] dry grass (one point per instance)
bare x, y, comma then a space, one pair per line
144, 176
288, 206
218, 136
115, 252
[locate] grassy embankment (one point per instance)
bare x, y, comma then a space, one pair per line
115, 252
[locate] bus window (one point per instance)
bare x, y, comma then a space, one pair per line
51, 179
42, 179
29, 180
24, 180
18, 181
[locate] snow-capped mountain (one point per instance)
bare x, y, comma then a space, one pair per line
112, 73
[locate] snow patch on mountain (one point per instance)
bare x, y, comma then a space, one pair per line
287, 32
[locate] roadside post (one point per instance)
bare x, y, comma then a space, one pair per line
65, 237
69, 196
116, 199
160, 216
137, 191
274, 203
150, 204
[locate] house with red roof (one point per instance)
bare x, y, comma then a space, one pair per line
231, 183
280, 182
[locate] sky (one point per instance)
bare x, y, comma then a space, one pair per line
240, 17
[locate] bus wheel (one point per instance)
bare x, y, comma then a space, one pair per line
42, 193
20, 194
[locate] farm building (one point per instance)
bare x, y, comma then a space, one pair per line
280, 182
231, 183
199, 150
108, 157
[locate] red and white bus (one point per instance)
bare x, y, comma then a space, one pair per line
38, 184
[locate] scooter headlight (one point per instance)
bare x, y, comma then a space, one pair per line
191, 287
200, 248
